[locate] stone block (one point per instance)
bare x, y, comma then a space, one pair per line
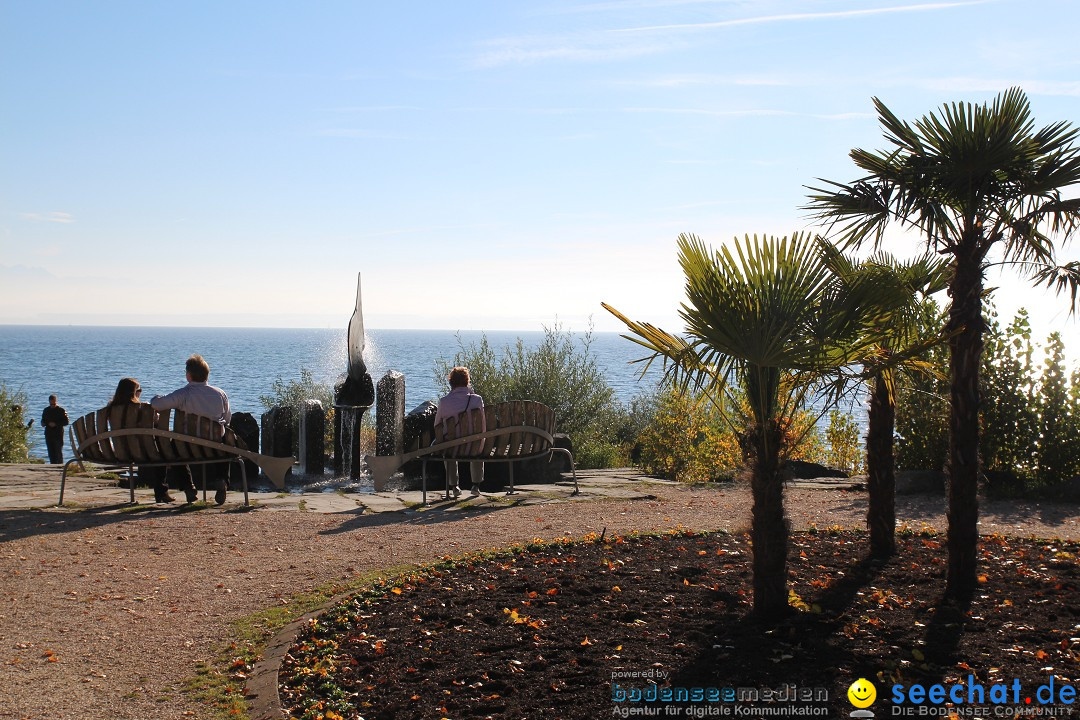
312, 438
390, 414
277, 431
246, 428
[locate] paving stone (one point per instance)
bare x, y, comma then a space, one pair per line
38, 486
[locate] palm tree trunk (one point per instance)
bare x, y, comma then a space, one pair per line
880, 477
769, 531
965, 320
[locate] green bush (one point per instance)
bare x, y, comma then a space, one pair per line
14, 432
1059, 418
1009, 438
293, 393
1030, 416
922, 404
845, 449
688, 440
561, 372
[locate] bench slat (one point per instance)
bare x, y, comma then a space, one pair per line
545, 420
530, 440
517, 417
105, 446
79, 428
164, 445
121, 446
145, 418
184, 451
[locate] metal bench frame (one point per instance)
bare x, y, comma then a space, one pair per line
509, 443
99, 448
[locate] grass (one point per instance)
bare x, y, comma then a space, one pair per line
219, 684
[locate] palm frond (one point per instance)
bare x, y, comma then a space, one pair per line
1061, 278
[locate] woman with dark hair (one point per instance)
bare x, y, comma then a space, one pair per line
128, 392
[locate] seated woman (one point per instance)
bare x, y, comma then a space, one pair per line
128, 392
461, 398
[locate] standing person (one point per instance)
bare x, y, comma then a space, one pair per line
461, 398
200, 398
53, 420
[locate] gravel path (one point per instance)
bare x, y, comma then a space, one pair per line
103, 614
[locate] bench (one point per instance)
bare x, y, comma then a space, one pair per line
515, 431
124, 436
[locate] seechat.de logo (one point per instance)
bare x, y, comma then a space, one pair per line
862, 695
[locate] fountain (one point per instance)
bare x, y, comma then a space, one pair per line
353, 394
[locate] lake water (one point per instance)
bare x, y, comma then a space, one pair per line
81, 365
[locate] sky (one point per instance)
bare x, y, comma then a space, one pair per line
483, 165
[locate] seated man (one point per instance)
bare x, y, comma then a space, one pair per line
458, 400
200, 398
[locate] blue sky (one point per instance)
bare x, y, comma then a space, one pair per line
485, 165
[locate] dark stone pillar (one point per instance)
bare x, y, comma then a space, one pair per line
312, 438
277, 425
390, 414
246, 428
418, 432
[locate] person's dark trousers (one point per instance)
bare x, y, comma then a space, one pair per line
217, 478
54, 441
157, 478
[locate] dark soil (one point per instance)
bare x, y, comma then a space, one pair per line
559, 631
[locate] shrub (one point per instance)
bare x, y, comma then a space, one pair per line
922, 404
14, 431
1009, 437
845, 448
687, 440
293, 393
806, 441
1059, 418
1030, 417
561, 372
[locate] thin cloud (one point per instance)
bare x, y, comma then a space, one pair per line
1066, 88
700, 79
361, 134
798, 17
628, 42
55, 217
760, 112
372, 108
585, 47
635, 5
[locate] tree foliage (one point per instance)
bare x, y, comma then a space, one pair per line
971, 179
14, 431
768, 321
560, 372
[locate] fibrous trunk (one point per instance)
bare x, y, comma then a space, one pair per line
880, 476
965, 345
769, 532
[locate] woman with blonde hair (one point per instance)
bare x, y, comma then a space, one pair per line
460, 399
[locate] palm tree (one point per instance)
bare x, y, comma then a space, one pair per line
972, 179
898, 347
772, 322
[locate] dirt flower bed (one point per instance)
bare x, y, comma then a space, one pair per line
566, 630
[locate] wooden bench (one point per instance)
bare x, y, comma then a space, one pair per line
124, 436
513, 431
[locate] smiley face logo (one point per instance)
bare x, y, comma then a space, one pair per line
862, 693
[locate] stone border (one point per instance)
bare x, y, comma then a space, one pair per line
261, 688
